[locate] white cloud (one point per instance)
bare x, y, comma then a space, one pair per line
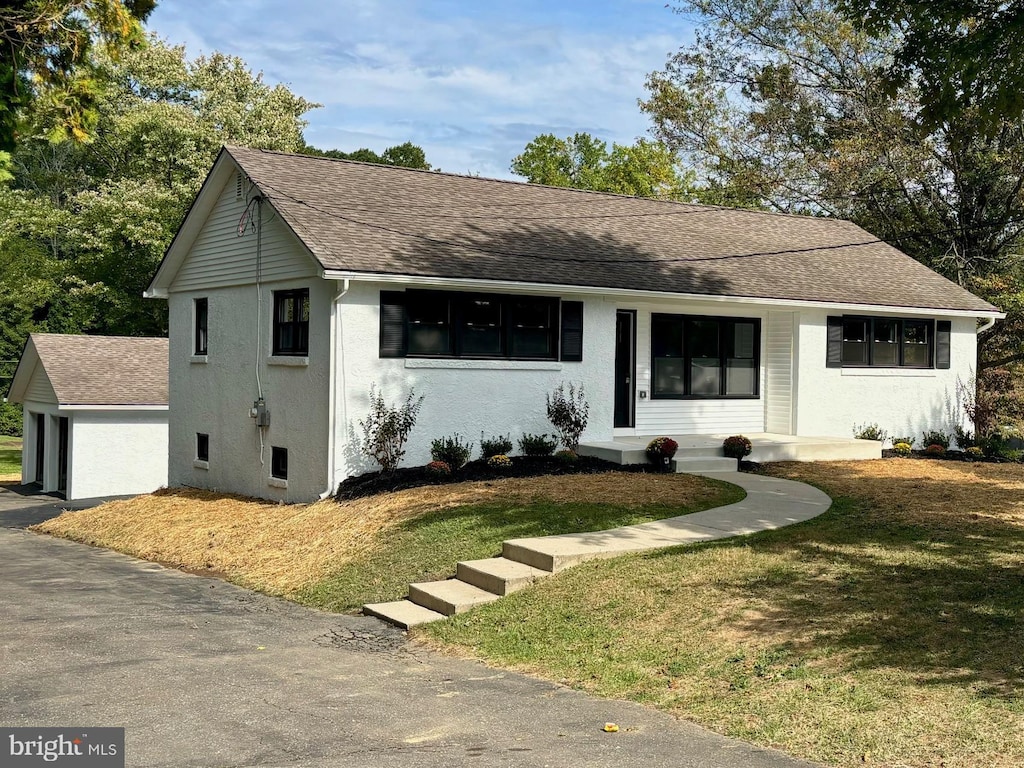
469, 82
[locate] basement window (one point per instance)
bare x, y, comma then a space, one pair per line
279, 463
202, 447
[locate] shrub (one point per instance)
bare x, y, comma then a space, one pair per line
975, 452
660, 448
936, 438
452, 451
537, 445
567, 456
902, 449
998, 441
568, 413
964, 438
439, 469
386, 429
499, 461
908, 440
870, 432
496, 446
737, 446
935, 449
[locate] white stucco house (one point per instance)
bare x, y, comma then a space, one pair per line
298, 282
95, 414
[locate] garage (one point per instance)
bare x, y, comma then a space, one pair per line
95, 414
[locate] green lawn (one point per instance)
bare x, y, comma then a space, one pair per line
428, 547
889, 631
10, 456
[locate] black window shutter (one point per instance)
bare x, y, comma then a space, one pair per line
392, 324
834, 357
943, 332
572, 331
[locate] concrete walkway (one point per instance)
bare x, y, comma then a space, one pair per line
770, 503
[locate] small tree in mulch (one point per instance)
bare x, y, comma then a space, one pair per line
386, 429
568, 412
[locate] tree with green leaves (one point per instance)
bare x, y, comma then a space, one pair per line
786, 104
957, 54
100, 214
644, 169
83, 225
406, 155
47, 54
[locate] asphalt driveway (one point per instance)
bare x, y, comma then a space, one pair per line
202, 673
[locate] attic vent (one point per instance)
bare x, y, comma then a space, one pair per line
238, 185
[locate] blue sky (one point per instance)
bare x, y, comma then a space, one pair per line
470, 82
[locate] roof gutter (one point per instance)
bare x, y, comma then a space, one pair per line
640, 295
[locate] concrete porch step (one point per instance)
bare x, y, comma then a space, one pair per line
449, 597
402, 613
498, 574
705, 464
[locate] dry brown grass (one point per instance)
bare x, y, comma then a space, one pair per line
281, 548
957, 495
10, 478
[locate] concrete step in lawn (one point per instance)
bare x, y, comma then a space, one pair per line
449, 597
402, 613
498, 574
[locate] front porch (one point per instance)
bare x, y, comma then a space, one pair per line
768, 446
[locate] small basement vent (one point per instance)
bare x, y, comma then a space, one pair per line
238, 185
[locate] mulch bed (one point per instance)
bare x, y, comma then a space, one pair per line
522, 466
889, 453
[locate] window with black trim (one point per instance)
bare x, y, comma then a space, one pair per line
418, 323
291, 322
704, 357
202, 446
887, 342
201, 319
279, 463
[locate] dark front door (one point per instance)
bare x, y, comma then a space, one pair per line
40, 446
625, 366
62, 456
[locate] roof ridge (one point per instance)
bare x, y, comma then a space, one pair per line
98, 336
593, 192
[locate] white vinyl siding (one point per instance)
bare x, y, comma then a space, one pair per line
220, 258
779, 366
39, 389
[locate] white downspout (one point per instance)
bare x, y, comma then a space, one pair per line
336, 373
989, 322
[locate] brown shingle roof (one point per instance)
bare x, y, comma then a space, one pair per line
104, 370
376, 219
